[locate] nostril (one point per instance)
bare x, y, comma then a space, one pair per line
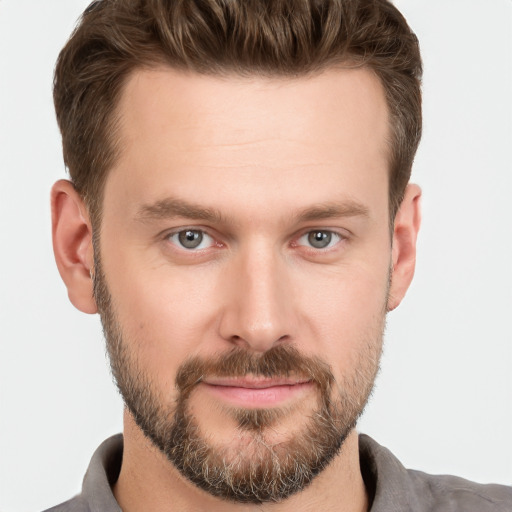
238, 341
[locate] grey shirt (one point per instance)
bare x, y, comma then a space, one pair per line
391, 487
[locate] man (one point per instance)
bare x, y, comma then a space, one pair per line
240, 216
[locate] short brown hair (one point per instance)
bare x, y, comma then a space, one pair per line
244, 37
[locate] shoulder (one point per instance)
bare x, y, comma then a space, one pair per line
453, 494
103, 470
76, 504
396, 488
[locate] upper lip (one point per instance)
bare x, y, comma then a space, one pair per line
254, 382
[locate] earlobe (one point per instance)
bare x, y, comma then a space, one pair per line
72, 244
405, 233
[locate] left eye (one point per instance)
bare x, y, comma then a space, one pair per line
319, 239
191, 239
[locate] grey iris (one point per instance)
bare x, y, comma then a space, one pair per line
190, 239
319, 239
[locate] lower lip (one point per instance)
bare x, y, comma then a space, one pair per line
258, 398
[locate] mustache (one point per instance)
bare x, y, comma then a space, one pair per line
279, 361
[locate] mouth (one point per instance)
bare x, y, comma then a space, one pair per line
256, 392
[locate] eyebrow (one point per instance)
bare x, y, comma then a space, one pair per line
171, 208
345, 208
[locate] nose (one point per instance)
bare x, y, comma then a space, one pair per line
258, 312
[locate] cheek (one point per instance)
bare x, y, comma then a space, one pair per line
165, 314
346, 314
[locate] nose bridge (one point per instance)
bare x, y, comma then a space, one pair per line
258, 314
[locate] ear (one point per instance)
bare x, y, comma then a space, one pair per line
406, 227
72, 245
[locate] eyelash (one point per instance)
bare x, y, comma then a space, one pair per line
333, 236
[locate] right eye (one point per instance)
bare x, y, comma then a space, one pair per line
191, 239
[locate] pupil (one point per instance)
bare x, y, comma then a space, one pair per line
190, 239
320, 239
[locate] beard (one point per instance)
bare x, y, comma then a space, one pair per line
256, 469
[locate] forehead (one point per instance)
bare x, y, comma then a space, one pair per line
224, 109
180, 130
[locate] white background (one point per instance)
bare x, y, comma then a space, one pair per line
444, 398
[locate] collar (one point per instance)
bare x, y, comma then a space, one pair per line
388, 482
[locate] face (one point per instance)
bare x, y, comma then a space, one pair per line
242, 270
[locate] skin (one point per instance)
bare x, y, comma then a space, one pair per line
275, 159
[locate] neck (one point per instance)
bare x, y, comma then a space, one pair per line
149, 482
